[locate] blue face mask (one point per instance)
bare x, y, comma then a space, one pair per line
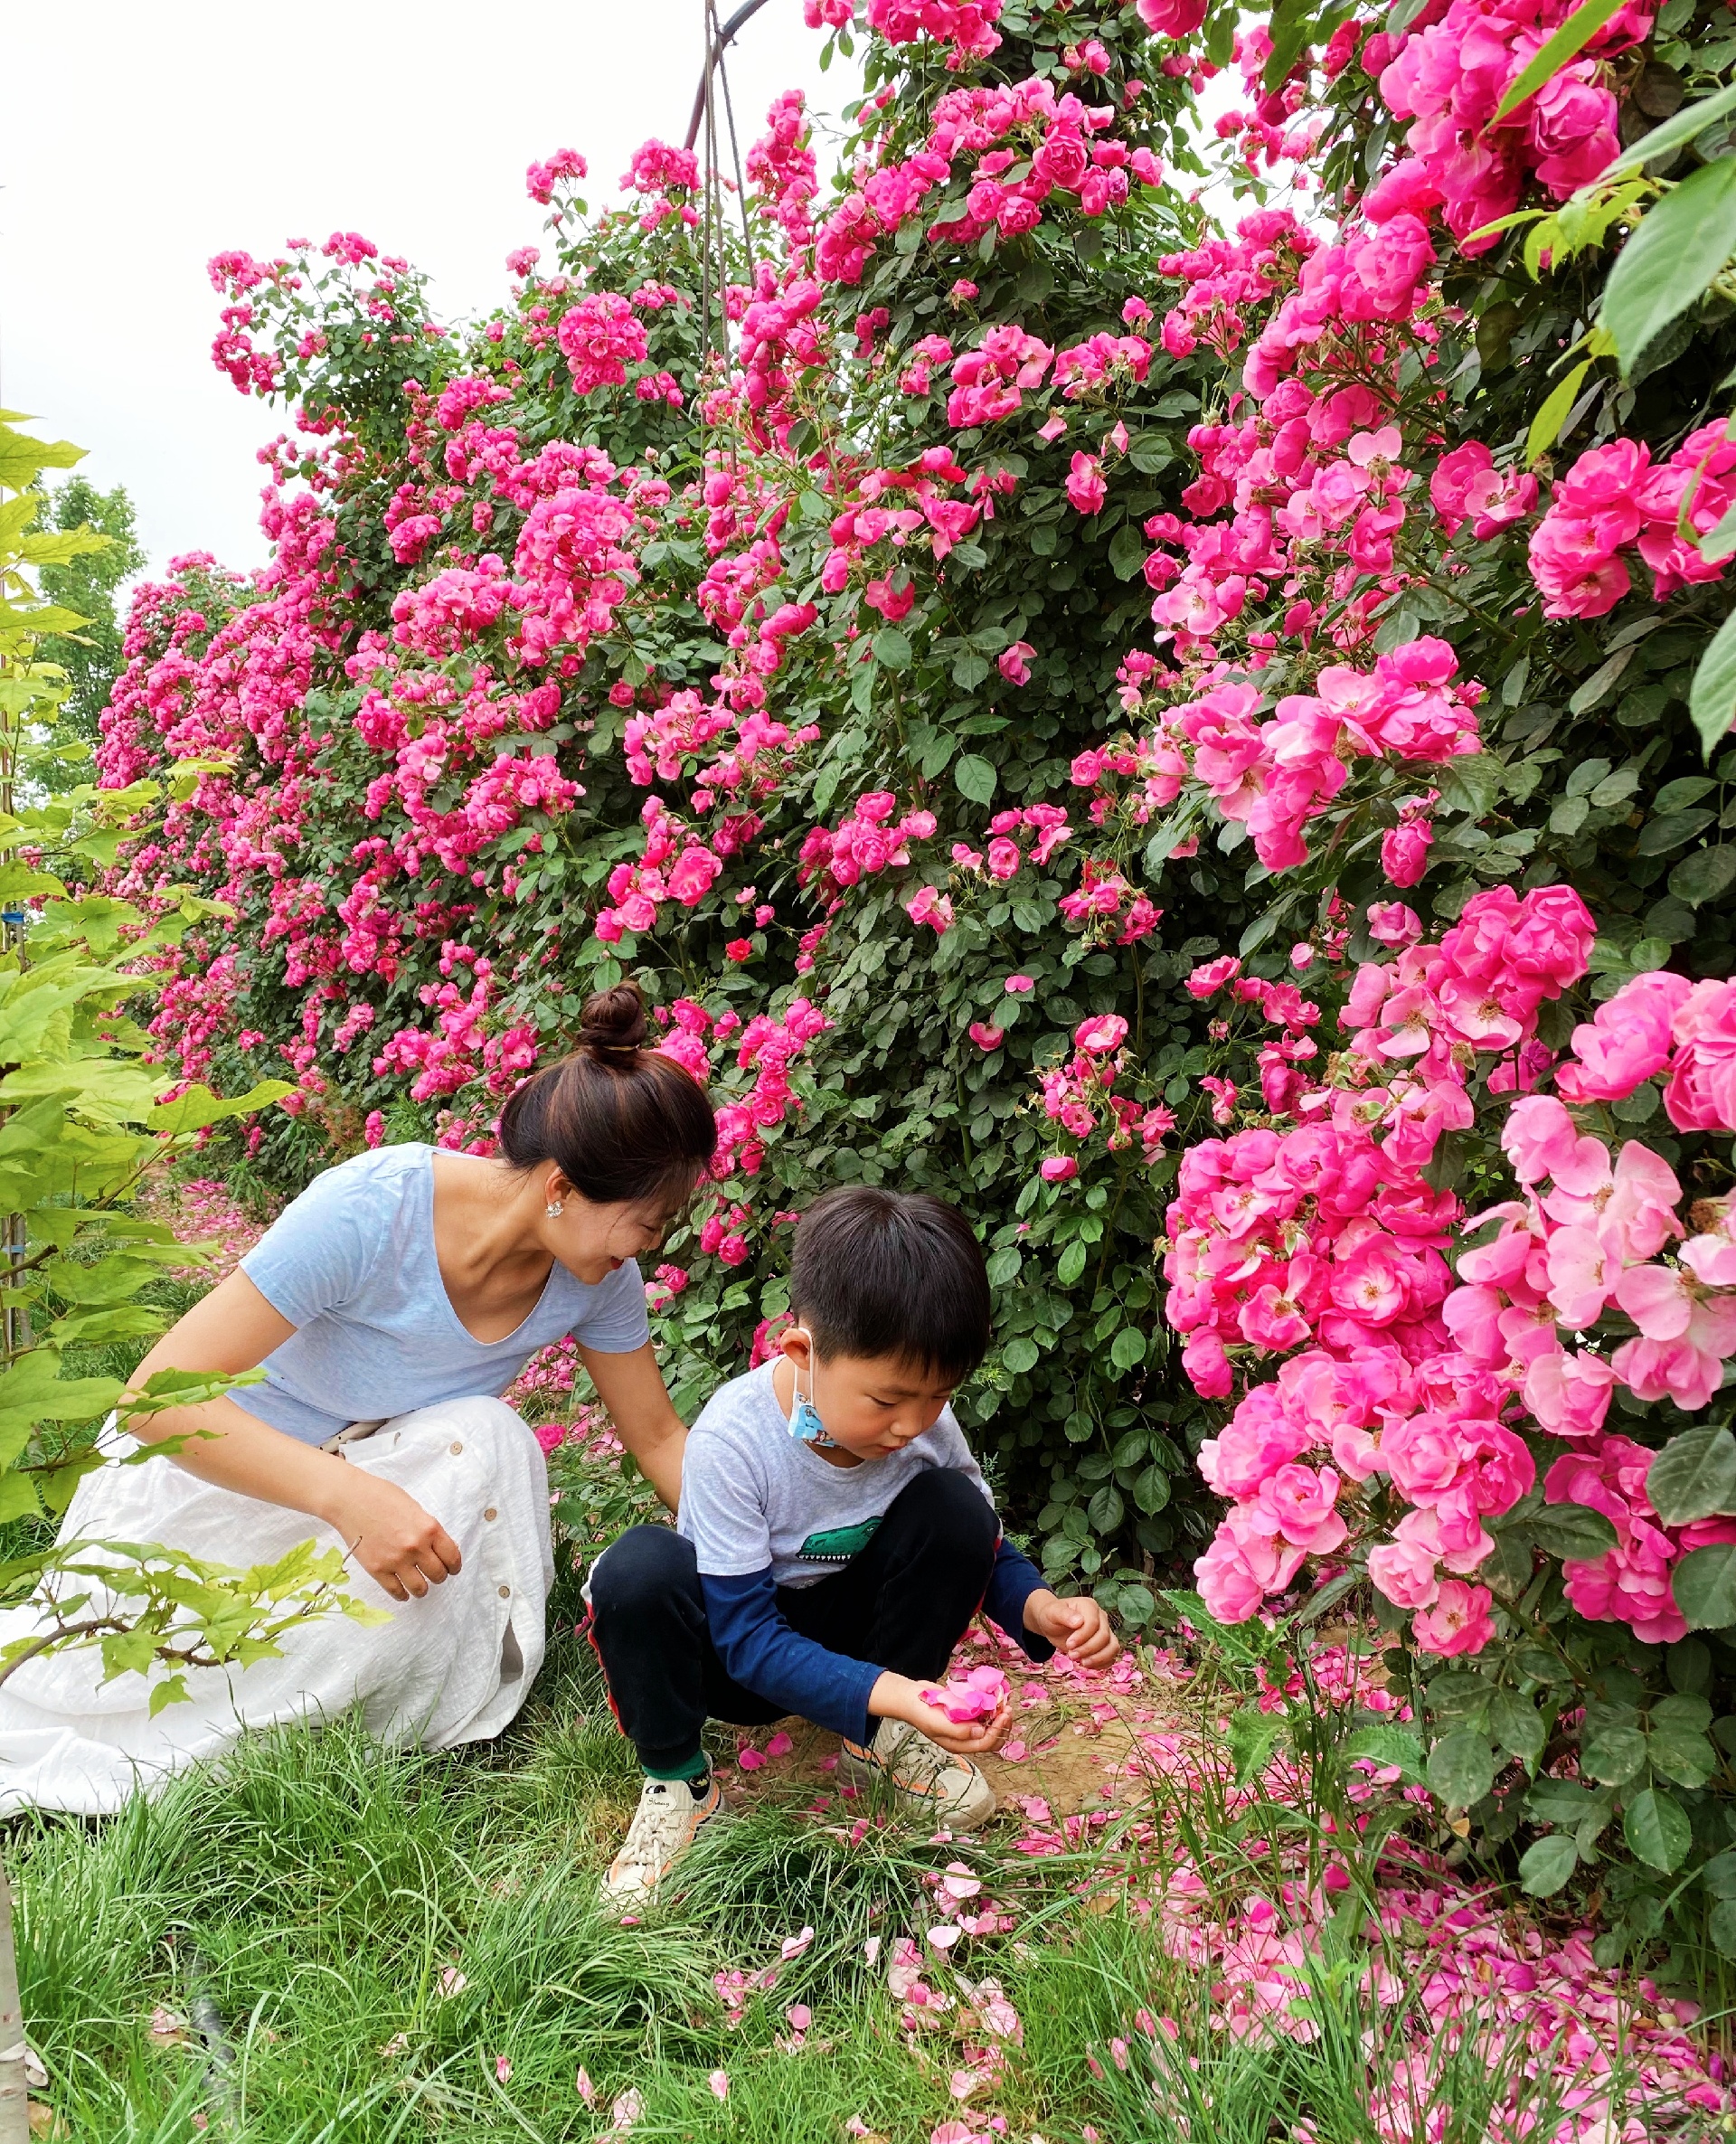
804, 1422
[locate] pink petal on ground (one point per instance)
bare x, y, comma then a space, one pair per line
586, 2089
718, 2081
780, 1745
503, 2068
1015, 1753
943, 1937
750, 1760
794, 1945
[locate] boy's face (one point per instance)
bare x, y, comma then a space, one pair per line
872, 1405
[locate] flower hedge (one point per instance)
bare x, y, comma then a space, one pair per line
1154, 731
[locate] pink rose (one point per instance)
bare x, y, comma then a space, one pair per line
1086, 486
1459, 1622
1057, 1169
1105, 1031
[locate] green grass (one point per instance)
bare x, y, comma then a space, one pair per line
317, 1889
317, 1895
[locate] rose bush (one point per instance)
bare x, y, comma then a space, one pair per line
1147, 729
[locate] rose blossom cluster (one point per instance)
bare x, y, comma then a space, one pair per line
1052, 146
1433, 1419
1614, 500
1077, 1095
1448, 75
1274, 776
867, 842
1303, 487
1328, 1239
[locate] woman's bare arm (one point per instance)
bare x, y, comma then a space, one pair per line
631, 1387
234, 1328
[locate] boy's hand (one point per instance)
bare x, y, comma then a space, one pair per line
897, 1697
1077, 1627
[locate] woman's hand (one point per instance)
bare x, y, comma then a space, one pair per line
1077, 1627
393, 1539
897, 1697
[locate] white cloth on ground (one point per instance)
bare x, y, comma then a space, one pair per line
452, 1667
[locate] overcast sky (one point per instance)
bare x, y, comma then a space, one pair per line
164, 134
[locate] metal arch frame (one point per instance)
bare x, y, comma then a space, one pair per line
725, 36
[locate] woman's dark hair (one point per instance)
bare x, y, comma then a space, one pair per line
624, 1124
891, 1272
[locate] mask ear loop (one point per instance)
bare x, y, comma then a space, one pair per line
805, 1421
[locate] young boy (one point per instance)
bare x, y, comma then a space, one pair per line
834, 1539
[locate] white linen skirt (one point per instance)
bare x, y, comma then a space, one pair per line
453, 1667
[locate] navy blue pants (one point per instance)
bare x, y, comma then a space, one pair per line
902, 1603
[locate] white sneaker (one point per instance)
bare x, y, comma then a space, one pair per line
665, 1825
929, 1780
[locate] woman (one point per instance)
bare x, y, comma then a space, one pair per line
387, 1308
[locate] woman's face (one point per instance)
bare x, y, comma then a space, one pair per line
593, 1240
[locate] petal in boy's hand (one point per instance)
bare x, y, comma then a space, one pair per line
959, 1738
1077, 1627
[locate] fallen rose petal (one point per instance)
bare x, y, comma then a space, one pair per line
718, 2081
503, 2068
798, 2017
452, 1981
794, 1945
586, 2089
750, 1759
943, 1937
780, 1745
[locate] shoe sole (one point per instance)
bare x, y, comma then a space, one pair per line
967, 1812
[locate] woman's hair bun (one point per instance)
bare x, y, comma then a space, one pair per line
613, 1019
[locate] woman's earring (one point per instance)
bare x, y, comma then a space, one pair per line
554, 1209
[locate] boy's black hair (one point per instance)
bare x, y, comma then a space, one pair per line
891, 1272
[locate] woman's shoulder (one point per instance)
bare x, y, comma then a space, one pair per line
370, 1184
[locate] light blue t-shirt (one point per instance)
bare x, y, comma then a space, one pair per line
351, 1265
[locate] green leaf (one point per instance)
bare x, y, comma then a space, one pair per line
1253, 1737
1694, 1477
1679, 127
976, 776
1151, 1488
1071, 1264
1712, 697
892, 648
1546, 425
1721, 1926
1128, 1348
1127, 548
1613, 1755
967, 673
1671, 259
1106, 1509
1546, 1864
1704, 1584
1704, 875
1383, 1744
196, 1107
1461, 1768
1657, 1829
1021, 1354
1572, 1532
1516, 1724
1574, 35
1471, 783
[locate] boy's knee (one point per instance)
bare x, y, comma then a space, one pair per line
642, 1568
951, 1507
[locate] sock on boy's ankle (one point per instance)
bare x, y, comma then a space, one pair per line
694, 1770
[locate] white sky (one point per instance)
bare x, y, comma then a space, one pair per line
168, 133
